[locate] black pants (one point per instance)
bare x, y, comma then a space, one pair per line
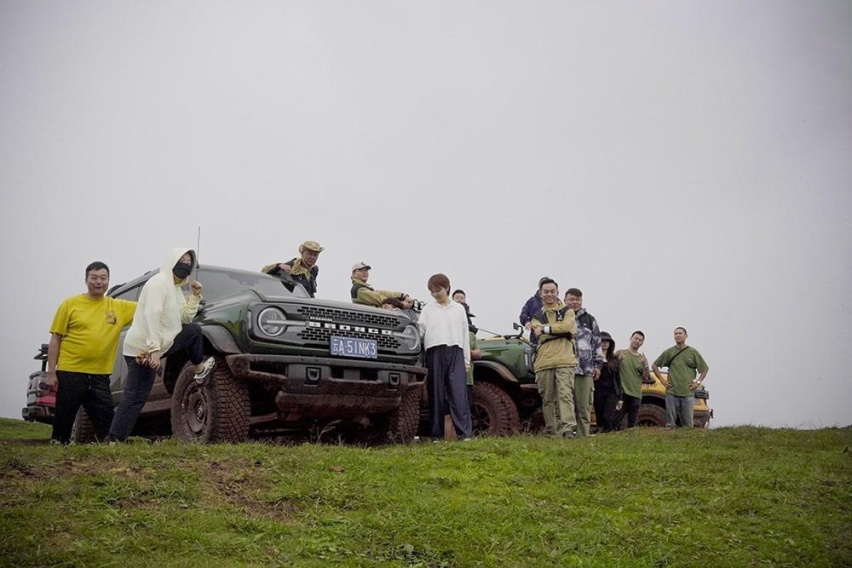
605, 412
140, 380
631, 409
447, 384
86, 390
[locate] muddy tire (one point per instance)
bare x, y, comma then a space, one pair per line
83, 430
218, 410
402, 423
493, 411
651, 415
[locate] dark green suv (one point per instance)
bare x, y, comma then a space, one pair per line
284, 362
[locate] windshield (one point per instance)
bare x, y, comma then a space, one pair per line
218, 283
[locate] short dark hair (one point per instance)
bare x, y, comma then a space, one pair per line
97, 265
438, 281
637, 332
574, 292
547, 280
458, 291
542, 279
681, 327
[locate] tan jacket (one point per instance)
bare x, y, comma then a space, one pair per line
556, 346
364, 294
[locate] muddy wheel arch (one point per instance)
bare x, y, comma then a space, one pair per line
651, 414
218, 410
493, 411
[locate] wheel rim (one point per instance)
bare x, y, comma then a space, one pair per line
196, 411
480, 417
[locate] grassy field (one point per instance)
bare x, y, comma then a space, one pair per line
649, 497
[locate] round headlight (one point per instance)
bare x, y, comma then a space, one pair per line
272, 321
411, 338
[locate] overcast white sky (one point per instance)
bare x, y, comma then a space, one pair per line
683, 163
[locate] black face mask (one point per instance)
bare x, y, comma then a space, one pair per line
181, 270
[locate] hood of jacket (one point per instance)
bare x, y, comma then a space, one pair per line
173, 256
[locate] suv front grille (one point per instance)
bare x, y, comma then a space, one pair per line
316, 313
323, 335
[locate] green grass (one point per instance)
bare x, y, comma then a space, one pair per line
723, 497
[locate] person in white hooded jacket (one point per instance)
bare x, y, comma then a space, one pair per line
162, 326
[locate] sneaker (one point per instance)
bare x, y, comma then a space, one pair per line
207, 366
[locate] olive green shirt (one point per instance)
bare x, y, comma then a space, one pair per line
630, 371
474, 344
682, 369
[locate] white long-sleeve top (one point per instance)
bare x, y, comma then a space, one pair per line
445, 325
161, 310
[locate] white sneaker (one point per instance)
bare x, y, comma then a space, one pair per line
207, 366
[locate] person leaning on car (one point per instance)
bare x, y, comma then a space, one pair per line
161, 327
81, 354
364, 294
303, 270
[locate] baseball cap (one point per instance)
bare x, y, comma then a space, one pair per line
360, 265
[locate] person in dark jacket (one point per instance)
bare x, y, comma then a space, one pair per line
531, 308
303, 270
607, 388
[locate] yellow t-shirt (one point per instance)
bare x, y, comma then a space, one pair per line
90, 330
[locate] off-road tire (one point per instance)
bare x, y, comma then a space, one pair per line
651, 415
493, 411
218, 410
402, 423
83, 430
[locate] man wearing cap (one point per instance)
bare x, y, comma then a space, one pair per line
366, 295
303, 270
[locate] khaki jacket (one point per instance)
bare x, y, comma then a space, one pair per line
365, 295
556, 348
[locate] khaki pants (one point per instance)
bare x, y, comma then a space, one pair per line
556, 387
583, 396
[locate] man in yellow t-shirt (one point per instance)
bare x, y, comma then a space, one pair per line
81, 353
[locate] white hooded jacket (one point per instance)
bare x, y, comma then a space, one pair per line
161, 310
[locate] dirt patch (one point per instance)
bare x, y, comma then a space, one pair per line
25, 441
241, 484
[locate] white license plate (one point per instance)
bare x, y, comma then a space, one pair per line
354, 347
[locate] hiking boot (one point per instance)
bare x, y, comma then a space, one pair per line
207, 366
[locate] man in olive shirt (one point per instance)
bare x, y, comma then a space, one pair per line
683, 363
632, 372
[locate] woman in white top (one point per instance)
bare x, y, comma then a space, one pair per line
445, 336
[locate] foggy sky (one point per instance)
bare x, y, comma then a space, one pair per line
684, 164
